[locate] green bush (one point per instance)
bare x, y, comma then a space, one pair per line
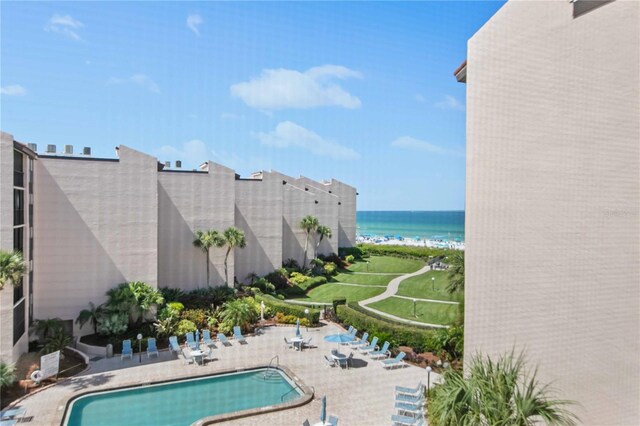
57, 342
279, 278
264, 285
186, 326
276, 305
309, 284
297, 278
240, 312
196, 316
409, 252
330, 268
166, 326
290, 319
112, 323
396, 334
7, 375
338, 301
356, 252
171, 294
349, 258
207, 298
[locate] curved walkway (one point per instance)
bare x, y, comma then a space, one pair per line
392, 289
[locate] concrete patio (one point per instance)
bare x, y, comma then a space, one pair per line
358, 396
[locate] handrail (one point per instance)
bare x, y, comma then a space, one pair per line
277, 359
292, 389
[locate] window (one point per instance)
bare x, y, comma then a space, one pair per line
18, 169
18, 322
580, 7
18, 291
18, 207
18, 239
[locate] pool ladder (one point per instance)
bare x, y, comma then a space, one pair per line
277, 360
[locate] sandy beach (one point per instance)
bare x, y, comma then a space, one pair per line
412, 242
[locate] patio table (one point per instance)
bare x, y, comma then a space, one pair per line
341, 358
197, 353
297, 342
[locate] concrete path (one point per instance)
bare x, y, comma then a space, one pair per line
376, 273
447, 302
392, 289
359, 285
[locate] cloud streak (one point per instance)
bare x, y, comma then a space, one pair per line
193, 22
13, 90
277, 89
449, 102
141, 80
65, 25
291, 135
413, 144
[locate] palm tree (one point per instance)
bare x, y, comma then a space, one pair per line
309, 224
233, 238
146, 299
496, 393
456, 273
241, 312
323, 232
12, 268
90, 315
205, 240
45, 326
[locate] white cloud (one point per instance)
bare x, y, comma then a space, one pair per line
288, 134
193, 22
13, 90
65, 25
139, 79
413, 144
449, 102
282, 88
419, 98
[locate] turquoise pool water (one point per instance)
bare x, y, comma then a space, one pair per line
182, 402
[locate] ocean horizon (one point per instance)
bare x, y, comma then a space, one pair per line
444, 225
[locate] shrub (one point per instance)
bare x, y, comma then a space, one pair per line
397, 334
309, 284
290, 319
409, 252
166, 326
330, 268
349, 258
276, 305
264, 285
207, 298
171, 294
291, 264
334, 258
57, 342
170, 310
338, 301
356, 252
240, 312
185, 326
112, 323
7, 375
278, 278
447, 342
297, 278
196, 316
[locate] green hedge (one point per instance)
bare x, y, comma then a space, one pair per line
423, 253
277, 305
301, 289
396, 334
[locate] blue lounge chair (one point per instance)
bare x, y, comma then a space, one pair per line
11, 422
12, 412
191, 341
152, 349
126, 349
350, 329
411, 399
382, 353
223, 339
206, 338
407, 421
418, 390
361, 342
332, 421
414, 410
173, 344
237, 335
371, 347
394, 362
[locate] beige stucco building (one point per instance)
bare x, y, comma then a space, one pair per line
553, 198
86, 224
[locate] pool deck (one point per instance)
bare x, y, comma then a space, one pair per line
363, 395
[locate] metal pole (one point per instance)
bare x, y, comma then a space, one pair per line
433, 283
414, 308
139, 336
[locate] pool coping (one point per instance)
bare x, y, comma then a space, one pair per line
306, 397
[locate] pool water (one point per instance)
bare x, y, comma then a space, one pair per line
182, 402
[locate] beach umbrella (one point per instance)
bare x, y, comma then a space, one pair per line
323, 410
339, 338
298, 328
197, 337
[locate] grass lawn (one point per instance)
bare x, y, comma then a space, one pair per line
387, 264
365, 279
429, 312
327, 292
420, 287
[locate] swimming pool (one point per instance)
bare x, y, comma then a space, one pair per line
180, 403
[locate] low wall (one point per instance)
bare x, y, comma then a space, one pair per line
91, 350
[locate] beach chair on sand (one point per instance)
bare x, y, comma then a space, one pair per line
152, 348
394, 362
223, 339
127, 351
237, 335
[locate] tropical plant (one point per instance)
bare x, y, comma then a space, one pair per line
264, 285
241, 312
456, 272
308, 224
291, 264
146, 298
330, 268
496, 393
252, 277
196, 316
57, 342
186, 326
171, 294
120, 298
349, 258
12, 268
112, 323
447, 341
233, 238
166, 326
7, 375
323, 232
297, 278
45, 327
90, 316
205, 240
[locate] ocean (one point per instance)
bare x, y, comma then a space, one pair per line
434, 225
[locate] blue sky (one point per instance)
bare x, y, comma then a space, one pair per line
359, 91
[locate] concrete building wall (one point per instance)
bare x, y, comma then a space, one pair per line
259, 212
6, 243
96, 226
346, 212
553, 199
189, 202
327, 212
298, 203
